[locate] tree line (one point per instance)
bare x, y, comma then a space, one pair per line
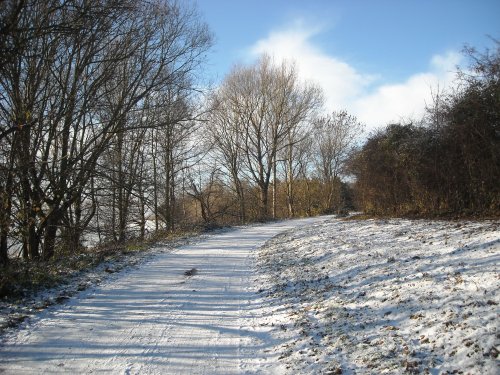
85, 86
446, 164
107, 132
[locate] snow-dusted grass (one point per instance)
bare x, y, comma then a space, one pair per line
385, 296
324, 296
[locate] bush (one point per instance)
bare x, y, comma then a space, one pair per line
449, 166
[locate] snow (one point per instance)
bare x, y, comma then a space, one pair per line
14, 311
386, 296
155, 319
309, 296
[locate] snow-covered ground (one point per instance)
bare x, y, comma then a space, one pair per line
15, 310
321, 296
193, 310
385, 296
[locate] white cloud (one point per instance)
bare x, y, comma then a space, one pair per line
446, 63
390, 103
340, 81
393, 102
347, 88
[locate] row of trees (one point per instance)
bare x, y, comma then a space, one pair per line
84, 86
105, 134
255, 120
448, 164
270, 149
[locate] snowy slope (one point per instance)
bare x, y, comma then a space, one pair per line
190, 311
385, 296
324, 296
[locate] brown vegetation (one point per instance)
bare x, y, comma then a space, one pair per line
448, 166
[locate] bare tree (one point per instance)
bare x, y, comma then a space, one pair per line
335, 137
69, 92
295, 158
206, 188
302, 108
227, 136
266, 101
177, 149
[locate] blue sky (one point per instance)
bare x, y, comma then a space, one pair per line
378, 59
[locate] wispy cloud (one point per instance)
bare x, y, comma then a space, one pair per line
346, 87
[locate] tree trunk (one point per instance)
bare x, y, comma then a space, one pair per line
154, 149
290, 201
241, 198
4, 258
264, 192
172, 202
274, 189
308, 197
5, 212
122, 216
96, 203
329, 200
334, 195
113, 213
33, 243
5, 209
168, 192
49, 241
142, 210
240, 194
204, 214
25, 249
75, 227
291, 208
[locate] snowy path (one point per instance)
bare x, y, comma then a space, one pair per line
156, 320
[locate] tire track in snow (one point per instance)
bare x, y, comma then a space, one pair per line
155, 320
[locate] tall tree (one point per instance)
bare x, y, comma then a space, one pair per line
266, 101
69, 92
227, 136
335, 137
